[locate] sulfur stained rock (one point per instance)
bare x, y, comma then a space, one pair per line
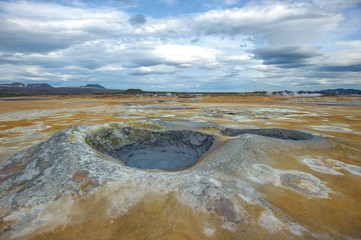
238, 185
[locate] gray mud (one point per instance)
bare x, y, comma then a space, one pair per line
145, 149
286, 134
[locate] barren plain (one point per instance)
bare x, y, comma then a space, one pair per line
245, 186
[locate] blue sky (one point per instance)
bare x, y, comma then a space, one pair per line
173, 45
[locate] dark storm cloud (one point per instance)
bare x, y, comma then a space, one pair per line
342, 68
14, 38
287, 57
307, 84
8, 59
137, 20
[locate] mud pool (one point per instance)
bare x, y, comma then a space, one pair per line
145, 149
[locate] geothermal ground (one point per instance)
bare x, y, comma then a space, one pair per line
211, 167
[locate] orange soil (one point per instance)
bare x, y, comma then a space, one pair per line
156, 217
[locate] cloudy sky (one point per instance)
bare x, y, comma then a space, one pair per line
183, 45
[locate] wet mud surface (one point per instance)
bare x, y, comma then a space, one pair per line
146, 149
286, 134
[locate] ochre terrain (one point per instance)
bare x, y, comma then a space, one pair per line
157, 216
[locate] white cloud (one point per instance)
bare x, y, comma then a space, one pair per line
352, 44
273, 43
239, 59
110, 67
64, 25
231, 2
49, 11
186, 55
343, 58
275, 23
336, 4
158, 69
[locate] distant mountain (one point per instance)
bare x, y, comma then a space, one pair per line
133, 91
338, 91
43, 88
94, 86
22, 85
342, 91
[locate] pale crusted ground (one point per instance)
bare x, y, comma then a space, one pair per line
311, 192
25, 123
